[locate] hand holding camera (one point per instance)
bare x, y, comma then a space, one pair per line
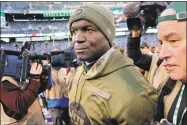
142, 15
40, 71
135, 26
35, 71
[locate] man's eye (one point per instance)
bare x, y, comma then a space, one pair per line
174, 43
89, 30
74, 32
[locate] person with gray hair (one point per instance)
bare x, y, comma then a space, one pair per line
167, 72
107, 89
172, 37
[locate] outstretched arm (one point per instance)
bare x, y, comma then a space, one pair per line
142, 61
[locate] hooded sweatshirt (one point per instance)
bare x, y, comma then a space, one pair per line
111, 92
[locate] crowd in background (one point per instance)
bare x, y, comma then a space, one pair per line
87, 94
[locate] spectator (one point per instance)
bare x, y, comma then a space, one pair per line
57, 97
157, 75
145, 48
152, 48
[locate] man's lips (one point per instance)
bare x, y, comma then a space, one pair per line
170, 67
80, 49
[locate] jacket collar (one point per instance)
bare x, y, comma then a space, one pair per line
111, 61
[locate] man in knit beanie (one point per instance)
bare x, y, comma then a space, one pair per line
107, 89
99, 16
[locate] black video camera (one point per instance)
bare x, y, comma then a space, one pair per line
18, 64
61, 58
34, 57
145, 16
134, 23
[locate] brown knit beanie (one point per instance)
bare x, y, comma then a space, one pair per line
100, 16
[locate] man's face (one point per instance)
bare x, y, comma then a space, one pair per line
152, 49
172, 36
89, 42
144, 50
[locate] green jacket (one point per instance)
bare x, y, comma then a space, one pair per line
111, 92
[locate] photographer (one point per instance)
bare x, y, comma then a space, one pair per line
56, 93
157, 74
19, 105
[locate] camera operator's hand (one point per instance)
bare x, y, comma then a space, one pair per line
136, 33
44, 77
45, 62
35, 71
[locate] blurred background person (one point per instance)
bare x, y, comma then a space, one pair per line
145, 48
57, 93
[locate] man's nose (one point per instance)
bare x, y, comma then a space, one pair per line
79, 37
164, 52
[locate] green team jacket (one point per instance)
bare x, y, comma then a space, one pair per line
111, 92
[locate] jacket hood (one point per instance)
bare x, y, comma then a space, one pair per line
111, 61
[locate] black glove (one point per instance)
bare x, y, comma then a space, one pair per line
44, 77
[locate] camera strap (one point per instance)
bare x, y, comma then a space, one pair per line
24, 70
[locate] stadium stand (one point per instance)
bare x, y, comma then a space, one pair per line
17, 27
37, 26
